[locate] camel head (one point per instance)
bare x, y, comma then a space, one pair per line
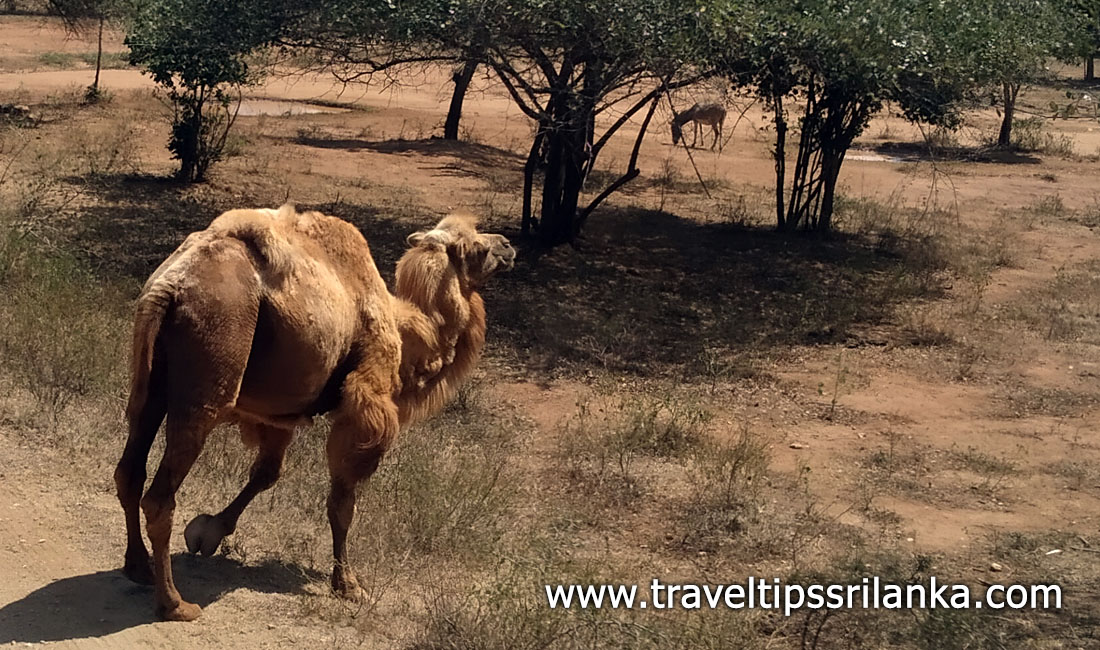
475, 256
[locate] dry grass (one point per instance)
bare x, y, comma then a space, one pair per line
1031, 135
1066, 309
473, 512
601, 446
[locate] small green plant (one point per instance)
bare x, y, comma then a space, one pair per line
196, 52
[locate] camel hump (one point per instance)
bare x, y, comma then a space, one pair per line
264, 232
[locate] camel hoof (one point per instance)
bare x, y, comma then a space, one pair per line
347, 587
183, 611
204, 534
140, 570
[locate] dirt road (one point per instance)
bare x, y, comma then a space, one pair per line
60, 585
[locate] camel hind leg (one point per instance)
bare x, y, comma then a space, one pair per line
144, 421
205, 532
203, 348
184, 438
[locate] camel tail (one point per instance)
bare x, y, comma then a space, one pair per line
152, 306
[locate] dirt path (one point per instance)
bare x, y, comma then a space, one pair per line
61, 587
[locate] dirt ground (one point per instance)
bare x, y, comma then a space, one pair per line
933, 447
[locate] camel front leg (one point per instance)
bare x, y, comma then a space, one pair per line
205, 532
362, 431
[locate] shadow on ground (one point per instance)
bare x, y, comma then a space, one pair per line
648, 292
473, 152
106, 602
655, 294
922, 152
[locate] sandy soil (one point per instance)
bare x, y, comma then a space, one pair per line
60, 546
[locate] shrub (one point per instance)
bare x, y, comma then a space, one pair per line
195, 50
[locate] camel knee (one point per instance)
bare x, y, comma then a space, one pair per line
341, 503
129, 481
158, 515
266, 472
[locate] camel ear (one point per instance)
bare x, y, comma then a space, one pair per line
432, 238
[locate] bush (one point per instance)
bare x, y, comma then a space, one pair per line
1031, 135
61, 331
195, 51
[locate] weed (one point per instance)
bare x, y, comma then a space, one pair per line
966, 357
926, 328
108, 149
726, 482
659, 426
56, 59
1067, 308
61, 334
1083, 474
994, 471
839, 379
1030, 135
1049, 206
1090, 216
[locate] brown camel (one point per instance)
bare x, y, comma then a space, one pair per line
267, 318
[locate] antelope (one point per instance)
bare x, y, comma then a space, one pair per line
712, 115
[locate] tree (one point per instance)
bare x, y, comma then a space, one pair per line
84, 15
1011, 42
357, 40
195, 51
1083, 17
580, 69
835, 62
569, 63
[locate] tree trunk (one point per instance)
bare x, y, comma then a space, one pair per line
565, 171
1090, 71
780, 155
98, 60
186, 139
830, 172
1009, 92
462, 80
561, 189
526, 221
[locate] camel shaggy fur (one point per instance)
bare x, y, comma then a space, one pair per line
268, 318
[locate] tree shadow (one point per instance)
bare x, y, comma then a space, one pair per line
657, 295
106, 602
921, 152
474, 153
649, 293
138, 220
